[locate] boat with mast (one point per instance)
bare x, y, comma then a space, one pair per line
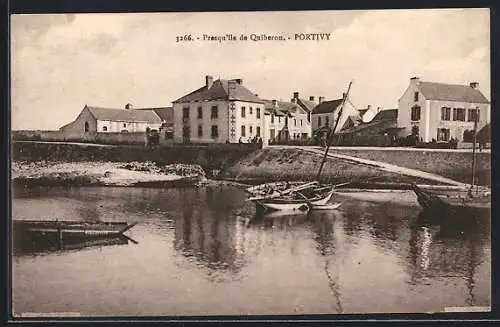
299, 196
472, 199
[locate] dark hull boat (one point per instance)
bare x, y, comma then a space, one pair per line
33, 232
461, 202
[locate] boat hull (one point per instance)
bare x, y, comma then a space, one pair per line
291, 206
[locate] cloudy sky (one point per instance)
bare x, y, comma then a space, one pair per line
59, 63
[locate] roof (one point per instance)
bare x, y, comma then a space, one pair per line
127, 115
386, 114
362, 112
451, 92
282, 107
165, 113
373, 127
221, 90
327, 106
306, 104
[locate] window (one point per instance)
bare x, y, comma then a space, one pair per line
86, 127
200, 130
472, 114
272, 133
185, 113
319, 121
445, 113
443, 134
215, 112
294, 122
301, 122
258, 112
258, 131
272, 118
215, 131
125, 125
279, 119
200, 112
415, 113
415, 96
250, 110
250, 129
105, 128
243, 130
459, 114
243, 112
327, 121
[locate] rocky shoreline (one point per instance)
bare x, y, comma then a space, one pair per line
133, 174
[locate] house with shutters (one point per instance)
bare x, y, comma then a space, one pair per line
439, 111
285, 121
324, 115
220, 111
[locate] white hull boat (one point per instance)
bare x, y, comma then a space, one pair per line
331, 206
284, 205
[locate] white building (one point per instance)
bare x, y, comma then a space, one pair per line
106, 120
326, 112
285, 121
220, 111
441, 111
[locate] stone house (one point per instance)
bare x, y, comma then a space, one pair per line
221, 111
285, 121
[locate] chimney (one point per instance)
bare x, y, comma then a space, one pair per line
274, 103
378, 109
129, 106
311, 98
474, 85
295, 95
369, 107
209, 81
414, 79
238, 80
321, 99
292, 100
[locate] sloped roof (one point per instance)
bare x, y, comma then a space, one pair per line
221, 90
127, 115
451, 92
165, 113
327, 106
307, 105
374, 127
282, 107
386, 114
362, 112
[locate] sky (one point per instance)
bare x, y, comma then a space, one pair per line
62, 62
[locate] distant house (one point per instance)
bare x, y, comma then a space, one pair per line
306, 105
285, 121
105, 120
324, 115
218, 112
166, 115
380, 131
438, 111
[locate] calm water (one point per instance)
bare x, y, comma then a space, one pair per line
198, 254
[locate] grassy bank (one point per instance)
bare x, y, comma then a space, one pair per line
296, 164
454, 165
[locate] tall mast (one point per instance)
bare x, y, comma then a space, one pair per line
332, 131
474, 150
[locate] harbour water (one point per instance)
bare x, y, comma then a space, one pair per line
203, 251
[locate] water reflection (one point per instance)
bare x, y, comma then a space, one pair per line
45, 244
447, 250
